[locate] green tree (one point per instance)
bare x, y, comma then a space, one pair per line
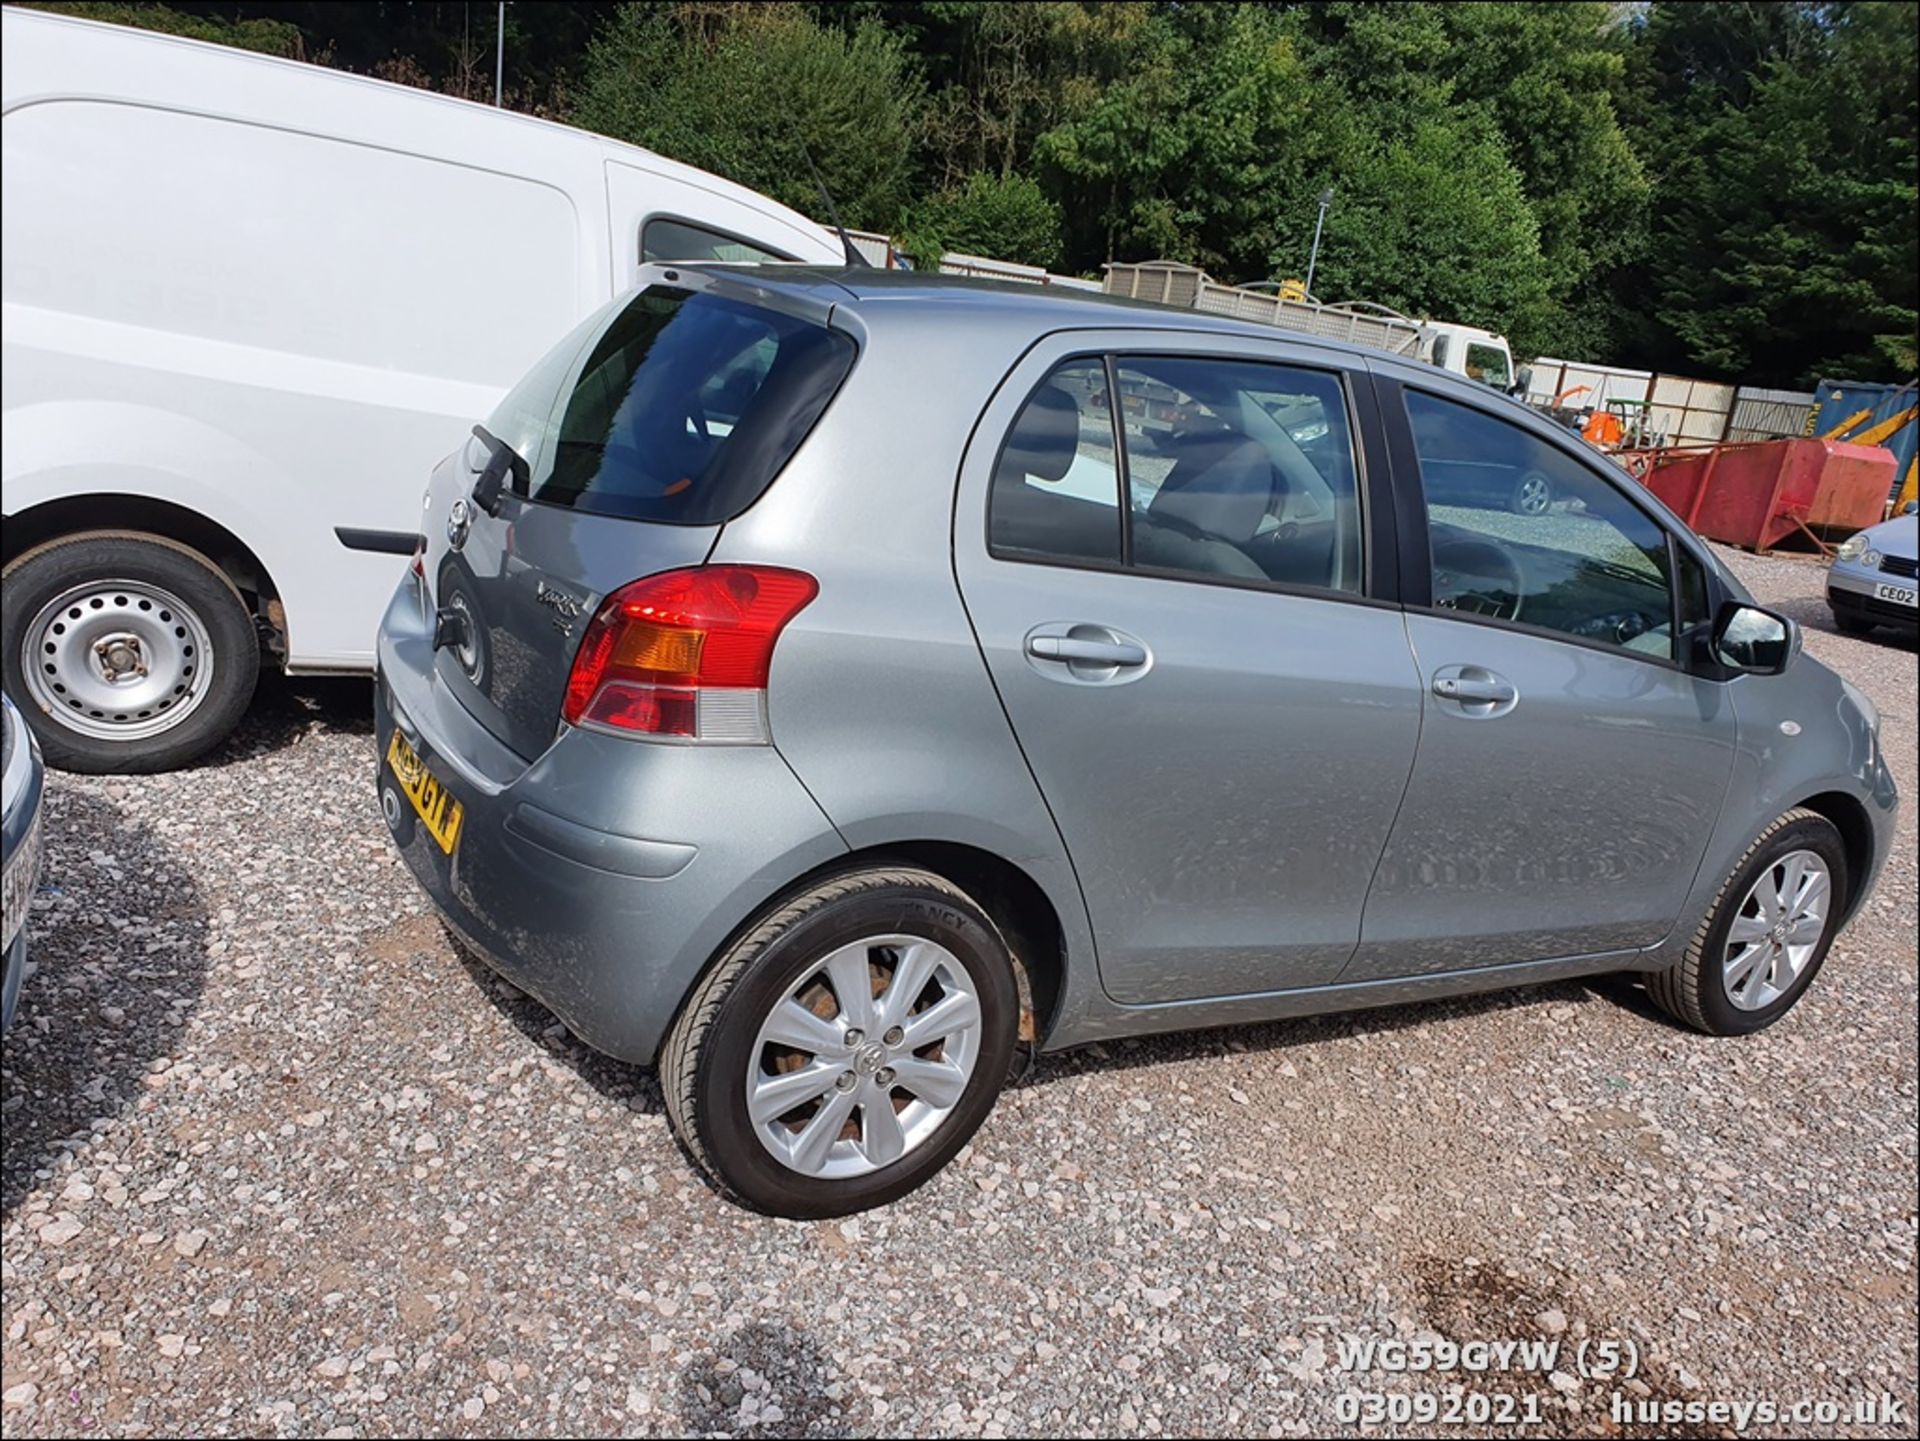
749, 91
1438, 224
1783, 244
267, 36
1215, 146
1537, 82
1007, 218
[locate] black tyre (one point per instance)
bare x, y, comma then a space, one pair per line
1532, 494
1851, 624
1768, 932
846, 1046
125, 652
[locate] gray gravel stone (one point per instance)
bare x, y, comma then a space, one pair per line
402, 1200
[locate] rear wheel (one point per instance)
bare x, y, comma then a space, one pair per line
846, 1047
125, 652
1768, 932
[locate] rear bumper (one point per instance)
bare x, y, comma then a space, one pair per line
602, 876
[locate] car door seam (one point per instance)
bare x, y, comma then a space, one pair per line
1406, 789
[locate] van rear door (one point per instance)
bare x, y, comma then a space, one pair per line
620, 455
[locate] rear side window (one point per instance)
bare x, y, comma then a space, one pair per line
1056, 489
1234, 470
679, 240
681, 408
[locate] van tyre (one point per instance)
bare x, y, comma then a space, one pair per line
126, 652
1767, 934
886, 1087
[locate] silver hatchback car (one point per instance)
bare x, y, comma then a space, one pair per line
832, 685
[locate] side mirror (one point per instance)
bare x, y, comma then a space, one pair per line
1522, 381
1754, 641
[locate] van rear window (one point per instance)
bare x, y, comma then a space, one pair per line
681, 408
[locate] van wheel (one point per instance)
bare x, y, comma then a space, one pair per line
126, 653
1768, 932
845, 1048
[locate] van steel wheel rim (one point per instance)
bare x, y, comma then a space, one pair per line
864, 1057
1777, 929
1535, 494
118, 660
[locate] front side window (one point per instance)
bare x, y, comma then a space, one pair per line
678, 240
1234, 470
672, 406
1488, 365
1522, 532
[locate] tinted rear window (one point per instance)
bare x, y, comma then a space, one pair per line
681, 408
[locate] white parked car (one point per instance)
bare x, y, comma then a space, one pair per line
248, 304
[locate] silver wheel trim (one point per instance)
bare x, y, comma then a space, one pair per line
1536, 494
1777, 929
853, 1095
117, 660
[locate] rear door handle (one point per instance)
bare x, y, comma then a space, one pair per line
1086, 652
1475, 691
1077, 652
1494, 692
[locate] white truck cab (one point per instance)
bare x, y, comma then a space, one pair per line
248, 305
1467, 350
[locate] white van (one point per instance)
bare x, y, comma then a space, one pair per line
249, 303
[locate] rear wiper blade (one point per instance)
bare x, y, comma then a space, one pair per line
502, 460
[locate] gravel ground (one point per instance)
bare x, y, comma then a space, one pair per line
279, 1161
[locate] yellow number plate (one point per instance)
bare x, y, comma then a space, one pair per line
436, 804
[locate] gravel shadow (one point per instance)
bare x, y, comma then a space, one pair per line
765, 1366
118, 938
287, 708
637, 1088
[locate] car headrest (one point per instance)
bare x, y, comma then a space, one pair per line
1045, 438
1222, 484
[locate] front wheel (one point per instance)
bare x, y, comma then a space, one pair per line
1532, 494
1851, 624
125, 652
844, 1049
1768, 932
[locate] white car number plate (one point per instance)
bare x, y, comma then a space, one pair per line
1898, 594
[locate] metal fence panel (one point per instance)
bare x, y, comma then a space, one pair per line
1762, 414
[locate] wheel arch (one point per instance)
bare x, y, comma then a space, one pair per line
26, 530
1012, 899
1849, 817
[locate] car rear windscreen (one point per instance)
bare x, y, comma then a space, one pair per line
683, 409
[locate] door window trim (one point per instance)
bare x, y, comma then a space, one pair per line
1357, 402
1416, 555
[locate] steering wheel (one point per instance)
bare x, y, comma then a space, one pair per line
1472, 558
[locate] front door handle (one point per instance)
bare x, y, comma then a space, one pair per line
1086, 652
1475, 691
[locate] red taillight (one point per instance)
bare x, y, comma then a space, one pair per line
686, 652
